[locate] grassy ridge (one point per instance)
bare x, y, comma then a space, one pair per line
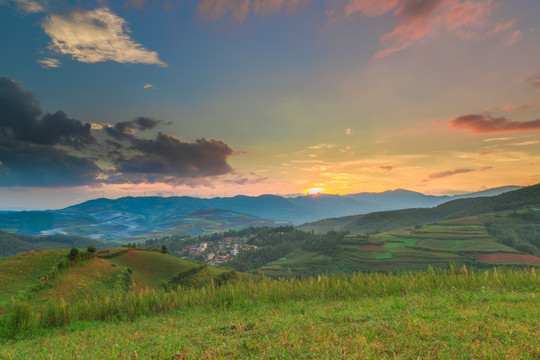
458, 313
337, 287
42, 276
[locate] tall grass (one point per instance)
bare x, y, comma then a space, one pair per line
21, 317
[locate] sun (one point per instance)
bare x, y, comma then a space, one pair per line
315, 191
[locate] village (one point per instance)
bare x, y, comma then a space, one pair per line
222, 250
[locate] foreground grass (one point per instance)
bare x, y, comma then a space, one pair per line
453, 314
472, 324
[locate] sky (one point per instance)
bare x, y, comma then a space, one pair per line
224, 97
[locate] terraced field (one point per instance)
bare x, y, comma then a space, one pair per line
460, 241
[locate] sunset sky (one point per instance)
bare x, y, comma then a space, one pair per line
226, 97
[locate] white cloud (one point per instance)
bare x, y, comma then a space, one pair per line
48, 63
95, 36
29, 6
149, 86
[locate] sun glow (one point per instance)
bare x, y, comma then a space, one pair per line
315, 191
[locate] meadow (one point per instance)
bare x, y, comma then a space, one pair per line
457, 313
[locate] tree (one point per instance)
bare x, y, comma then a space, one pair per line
73, 254
91, 249
164, 249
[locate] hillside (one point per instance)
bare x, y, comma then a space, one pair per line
43, 275
11, 244
134, 219
392, 220
468, 241
506, 230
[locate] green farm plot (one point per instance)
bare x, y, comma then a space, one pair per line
394, 245
437, 244
298, 263
383, 256
476, 245
400, 241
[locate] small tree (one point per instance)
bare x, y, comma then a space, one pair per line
91, 249
73, 254
164, 249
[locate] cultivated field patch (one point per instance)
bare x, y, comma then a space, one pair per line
508, 258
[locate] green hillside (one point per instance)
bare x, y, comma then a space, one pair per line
506, 238
391, 220
41, 276
11, 244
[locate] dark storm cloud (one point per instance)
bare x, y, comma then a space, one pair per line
21, 119
24, 164
124, 130
140, 123
30, 153
168, 156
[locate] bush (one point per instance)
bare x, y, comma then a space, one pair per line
91, 249
164, 249
73, 254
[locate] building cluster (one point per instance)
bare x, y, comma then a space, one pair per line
221, 251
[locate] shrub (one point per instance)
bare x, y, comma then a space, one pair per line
91, 249
73, 254
164, 249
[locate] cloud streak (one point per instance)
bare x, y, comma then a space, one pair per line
29, 6
534, 81
444, 174
49, 63
483, 124
95, 36
239, 9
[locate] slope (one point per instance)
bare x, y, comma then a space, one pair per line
477, 241
11, 244
40, 276
391, 220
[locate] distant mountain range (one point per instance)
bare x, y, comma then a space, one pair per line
133, 218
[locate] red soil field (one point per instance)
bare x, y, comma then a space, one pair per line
509, 258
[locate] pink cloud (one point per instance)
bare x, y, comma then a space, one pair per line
534, 81
482, 124
512, 107
214, 9
415, 19
515, 37
418, 19
239, 9
370, 8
